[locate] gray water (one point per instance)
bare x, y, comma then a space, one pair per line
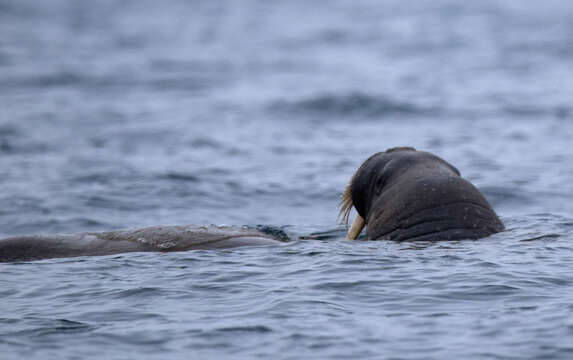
122, 114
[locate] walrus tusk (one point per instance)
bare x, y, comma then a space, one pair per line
356, 228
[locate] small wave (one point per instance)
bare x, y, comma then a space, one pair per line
9, 130
542, 237
110, 81
11, 143
58, 79
355, 103
482, 292
70, 325
338, 233
260, 329
83, 222
14, 8
180, 176
205, 142
39, 328
139, 292
344, 285
560, 112
108, 201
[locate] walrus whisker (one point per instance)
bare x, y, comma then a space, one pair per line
346, 202
346, 205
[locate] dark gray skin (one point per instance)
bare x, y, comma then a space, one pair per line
404, 194
156, 238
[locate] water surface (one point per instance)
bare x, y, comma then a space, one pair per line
122, 114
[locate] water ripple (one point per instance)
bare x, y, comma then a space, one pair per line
353, 104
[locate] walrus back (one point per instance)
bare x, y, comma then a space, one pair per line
27, 248
154, 238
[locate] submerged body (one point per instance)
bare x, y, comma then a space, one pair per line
404, 194
155, 238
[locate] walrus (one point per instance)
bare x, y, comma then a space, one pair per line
154, 238
404, 194
400, 194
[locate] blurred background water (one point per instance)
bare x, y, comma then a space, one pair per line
120, 114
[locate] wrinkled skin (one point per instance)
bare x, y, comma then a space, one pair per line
156, 238
404, 194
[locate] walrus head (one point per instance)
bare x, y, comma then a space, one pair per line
404, 194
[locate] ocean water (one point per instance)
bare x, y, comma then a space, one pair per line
123, 114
